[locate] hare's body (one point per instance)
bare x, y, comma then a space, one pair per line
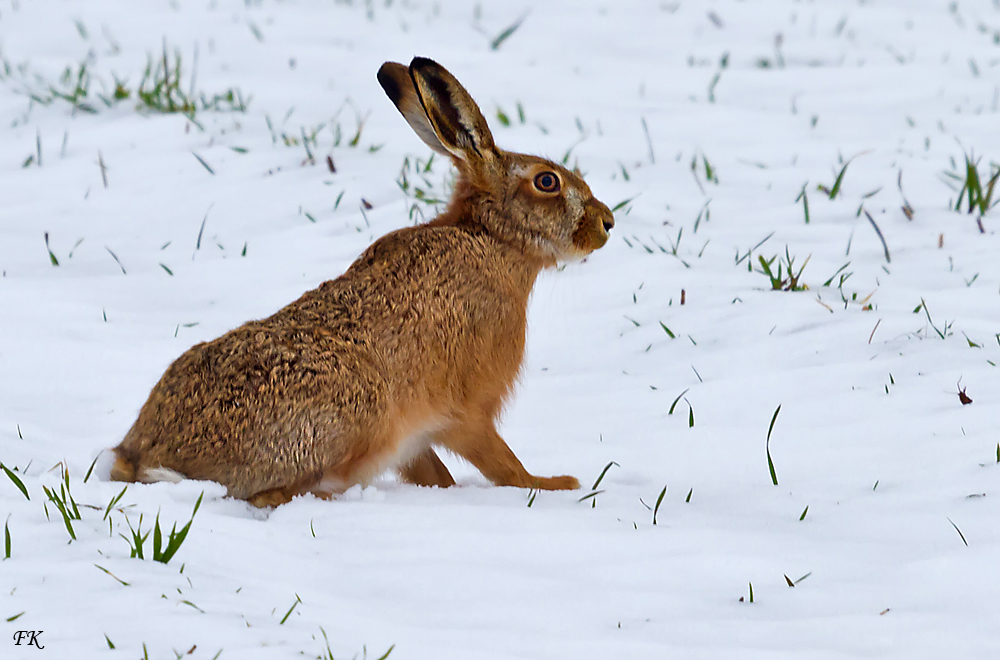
354, 377
417, 345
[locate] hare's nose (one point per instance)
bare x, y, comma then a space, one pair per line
608, 223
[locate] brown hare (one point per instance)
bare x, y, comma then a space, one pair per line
416, 346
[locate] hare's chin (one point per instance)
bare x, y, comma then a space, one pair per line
574, 255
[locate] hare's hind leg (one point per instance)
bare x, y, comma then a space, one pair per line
279, 496
426, 469
123, 469
477, 441
314, 484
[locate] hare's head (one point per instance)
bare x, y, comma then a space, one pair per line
543, 208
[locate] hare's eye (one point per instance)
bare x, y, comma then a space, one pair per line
547, 182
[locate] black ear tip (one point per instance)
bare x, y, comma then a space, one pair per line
389, 83
423, 62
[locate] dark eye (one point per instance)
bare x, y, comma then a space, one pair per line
547, 182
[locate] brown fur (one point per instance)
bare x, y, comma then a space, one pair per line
417, 345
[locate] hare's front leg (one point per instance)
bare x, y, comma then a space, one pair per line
477, 441
426, 469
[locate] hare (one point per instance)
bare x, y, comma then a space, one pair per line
416, 346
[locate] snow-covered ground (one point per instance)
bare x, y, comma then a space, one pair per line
169, 231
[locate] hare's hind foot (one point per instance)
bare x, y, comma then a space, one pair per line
426, 469
123, 469
278, 496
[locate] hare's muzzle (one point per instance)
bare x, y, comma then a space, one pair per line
601, 211
592, 232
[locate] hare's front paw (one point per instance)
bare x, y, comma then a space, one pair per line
565, 482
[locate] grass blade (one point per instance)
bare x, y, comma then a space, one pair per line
767, 446
805, 200
878, 231
204, 164
123, 582
113, 502
507, 32
92, 464
62, 510
608, 467
659, 500
52, 257
959, 532
290, 610
676, 401
621, 204
17, 482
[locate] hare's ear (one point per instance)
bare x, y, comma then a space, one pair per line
395, 80
458, 124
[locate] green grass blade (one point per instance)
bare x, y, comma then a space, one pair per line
203, 163
290, 610
676, 401
659, 500
507, 32
605, 471
840, 178
123, 582
94, 462
52, 257
157, 539
113, 502
767, 446
62, 510
959, 532
17, 482
621, 204
590, 495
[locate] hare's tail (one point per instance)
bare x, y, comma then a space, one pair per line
127, 470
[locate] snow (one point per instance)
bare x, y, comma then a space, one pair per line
871, 435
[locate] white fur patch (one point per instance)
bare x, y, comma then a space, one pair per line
157, 474
408, 448
414, 444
